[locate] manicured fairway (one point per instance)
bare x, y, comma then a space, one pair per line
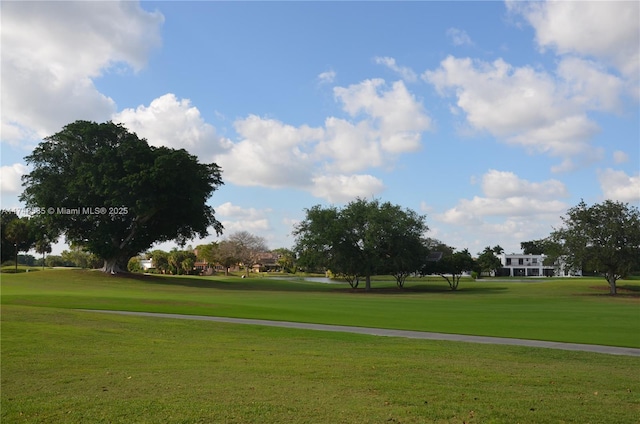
62, 366
577, 311
65, 366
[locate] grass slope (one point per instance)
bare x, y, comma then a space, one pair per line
576, 311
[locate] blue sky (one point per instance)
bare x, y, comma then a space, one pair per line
490, 118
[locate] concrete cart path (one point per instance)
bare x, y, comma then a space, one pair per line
610, 350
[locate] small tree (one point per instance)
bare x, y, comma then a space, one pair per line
488, 261
286, 259
605, 237
451, 267
207, 253
160, 260
20, 233
43, 246
227, 255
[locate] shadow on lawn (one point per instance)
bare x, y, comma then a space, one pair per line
288, 285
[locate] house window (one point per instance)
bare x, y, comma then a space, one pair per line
508, 261
535, 260
520, 261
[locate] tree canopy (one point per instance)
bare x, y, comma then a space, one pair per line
604, 237
361, 239
450, 266
487, 260
115, 195
247, 247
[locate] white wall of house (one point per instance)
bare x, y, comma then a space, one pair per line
146, 264
521, 265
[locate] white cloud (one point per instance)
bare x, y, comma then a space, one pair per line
608, 31
174, 123
405, 72
270, 154
510, 211
395, 113
502, 185
520, 105
459, 37
383, 123
343, 188
327, 77
10, 178
589, 84
620, 156
51, 51
235, 218
617, 185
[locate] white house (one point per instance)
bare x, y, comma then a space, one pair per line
521, 265
146, 264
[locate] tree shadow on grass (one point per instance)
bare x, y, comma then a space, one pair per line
422, 289
230, 283
288, 284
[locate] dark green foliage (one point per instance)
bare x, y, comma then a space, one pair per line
362, 239
148, 194
451, 267
286, 259
487, 260
20, 236
7, 250
604, 237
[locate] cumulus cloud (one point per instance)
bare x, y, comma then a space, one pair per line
520, 105
459, 37
588, 83
171, 122
405, 72
507, 195
617, 185
10, 178
343, 188
502, 185
510, 210
395, 114
609, 31
383, 122
270, 154
235, 218
53, 50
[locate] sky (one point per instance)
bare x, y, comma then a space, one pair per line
489, 118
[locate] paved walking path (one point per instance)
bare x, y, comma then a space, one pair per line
611, 350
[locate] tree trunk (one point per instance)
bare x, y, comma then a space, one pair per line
112, 266
367, 283
611, 279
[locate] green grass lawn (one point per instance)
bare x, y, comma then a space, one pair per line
65, 366
569, 310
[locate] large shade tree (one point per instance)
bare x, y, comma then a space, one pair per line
115, 195
361, 239
604, 237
